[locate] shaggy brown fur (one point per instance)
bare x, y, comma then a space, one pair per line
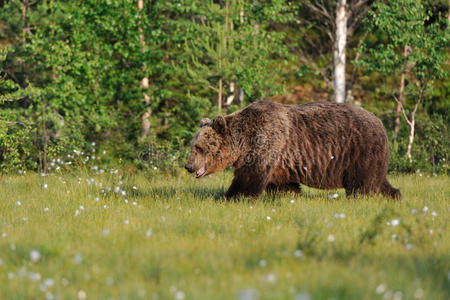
278, 147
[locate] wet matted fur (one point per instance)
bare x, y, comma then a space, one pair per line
278, 147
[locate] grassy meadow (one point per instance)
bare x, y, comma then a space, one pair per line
99, 235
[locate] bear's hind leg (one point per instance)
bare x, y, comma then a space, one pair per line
355, 184
388, 191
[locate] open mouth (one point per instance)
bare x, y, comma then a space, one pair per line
200, 172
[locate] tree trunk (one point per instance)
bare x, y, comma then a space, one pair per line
339, 52
231, 97
411, 137
219, 97
400, 95
219, 100
45, 137
399, 105
412, 122
24, 19
145, 126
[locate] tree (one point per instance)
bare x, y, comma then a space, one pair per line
231, 48
339, 51
336, 23
413, 49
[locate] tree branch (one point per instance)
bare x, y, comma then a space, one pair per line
310, 63
24, 125
13, 100
403, 110
213, 88
318, 10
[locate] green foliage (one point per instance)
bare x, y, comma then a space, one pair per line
404, 23
71, 71
229, 44
407, 26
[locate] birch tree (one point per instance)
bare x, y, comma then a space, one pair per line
335, 24
339, 51
414, 52
144, 82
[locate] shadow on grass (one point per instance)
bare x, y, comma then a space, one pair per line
161, 192
203, 192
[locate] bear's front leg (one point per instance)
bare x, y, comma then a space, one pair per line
245, 187
249, 181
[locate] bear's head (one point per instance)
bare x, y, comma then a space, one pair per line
210, 149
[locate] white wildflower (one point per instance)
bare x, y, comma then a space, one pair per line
395, 222
271, 278
248, 294
302, 296
34, 276
333, 196
298, 253
418, 293
380, 289
179, 295
35, 255
81, 294
331, 238
109, 281
78, 258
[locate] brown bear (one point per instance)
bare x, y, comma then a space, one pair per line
277, 147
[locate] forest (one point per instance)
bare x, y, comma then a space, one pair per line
134, 78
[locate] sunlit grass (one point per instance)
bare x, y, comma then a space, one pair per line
174, 237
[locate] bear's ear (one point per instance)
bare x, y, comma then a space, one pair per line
219, 124
205, 122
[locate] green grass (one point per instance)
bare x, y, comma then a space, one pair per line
182, 240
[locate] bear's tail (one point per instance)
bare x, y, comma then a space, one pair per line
388, 191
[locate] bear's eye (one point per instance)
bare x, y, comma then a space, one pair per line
198, 149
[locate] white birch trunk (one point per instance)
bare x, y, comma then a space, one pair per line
339, 52
411, 138
145, 126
